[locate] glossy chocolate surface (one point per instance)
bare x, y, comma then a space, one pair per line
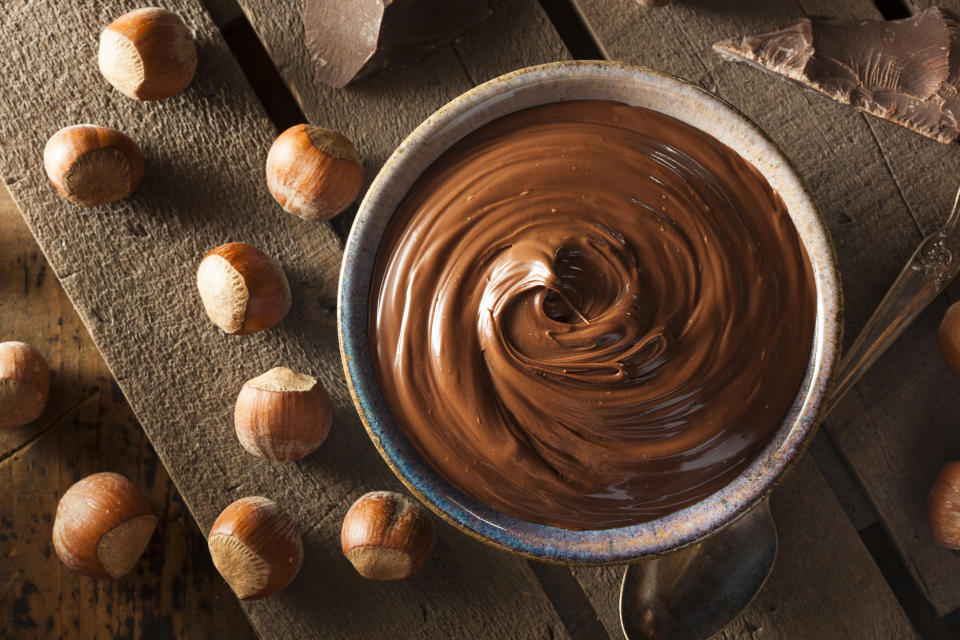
590, 315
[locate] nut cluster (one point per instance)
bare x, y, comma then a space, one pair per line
103, 522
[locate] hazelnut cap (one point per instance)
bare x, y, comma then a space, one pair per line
24, 384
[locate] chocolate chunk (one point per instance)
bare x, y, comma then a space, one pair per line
906, 71
350, 39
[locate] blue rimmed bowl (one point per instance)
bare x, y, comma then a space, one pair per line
527, 88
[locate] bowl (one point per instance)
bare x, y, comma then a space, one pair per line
578, 80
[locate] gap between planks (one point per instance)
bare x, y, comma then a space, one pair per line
580, 40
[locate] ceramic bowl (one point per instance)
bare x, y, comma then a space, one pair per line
575, 81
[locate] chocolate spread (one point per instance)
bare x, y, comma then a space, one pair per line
590, 315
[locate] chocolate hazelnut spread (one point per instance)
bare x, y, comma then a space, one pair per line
590, 315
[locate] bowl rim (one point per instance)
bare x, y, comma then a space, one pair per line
544, 542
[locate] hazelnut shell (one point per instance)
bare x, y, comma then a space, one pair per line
24, 384
387, 536
102, 526
948, 337
91, 165
256, 547
282, 415
943, 506
148, 54
243, 290
313, 172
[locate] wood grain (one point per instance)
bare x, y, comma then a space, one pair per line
824, 583
174, 590
129, 269
897, 436
877, 187
533, 40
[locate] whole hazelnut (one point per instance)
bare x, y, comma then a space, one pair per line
386, 536
243, 290
256, 547
148, 54
948, 337
24, 384
654, 3
943, 506
93, 165
103, 525
313, 172
282, 415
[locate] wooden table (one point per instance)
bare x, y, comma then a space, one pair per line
856, 560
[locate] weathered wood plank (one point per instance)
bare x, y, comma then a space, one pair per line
858, 168
824, 583
482, 59
129, 269
899, 436
88, 425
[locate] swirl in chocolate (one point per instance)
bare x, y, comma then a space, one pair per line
590, 315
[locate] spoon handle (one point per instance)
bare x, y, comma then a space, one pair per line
932, 267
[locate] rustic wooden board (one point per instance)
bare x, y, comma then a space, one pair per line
533, 40
129, 269
876, 185
841, 593
378, 113
899, 436
174, 591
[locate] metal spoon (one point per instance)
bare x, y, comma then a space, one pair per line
693, 593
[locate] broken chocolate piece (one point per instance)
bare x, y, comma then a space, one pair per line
350, 39
905, 71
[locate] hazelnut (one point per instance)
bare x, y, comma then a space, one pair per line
282, 415
256, 547
93, 165
313, 172
943, 506
148, 54
948, 337
24, 384
654, 3
386, 536
103, 525
243, 290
